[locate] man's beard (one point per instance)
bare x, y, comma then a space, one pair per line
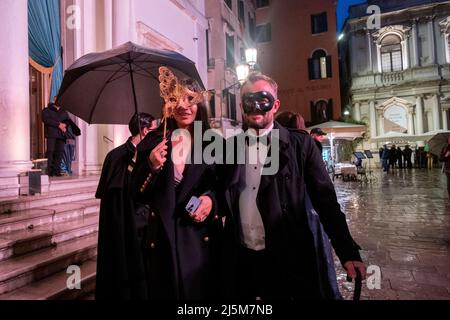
264, 123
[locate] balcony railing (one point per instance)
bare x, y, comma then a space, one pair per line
386, 79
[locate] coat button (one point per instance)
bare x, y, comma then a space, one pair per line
206, 239
152, 245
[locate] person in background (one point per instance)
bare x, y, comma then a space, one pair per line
291, 120
73, 131
54, 130
385, 156
407, 153
393, 156
399, 158
318, 135
445, 158
120, 265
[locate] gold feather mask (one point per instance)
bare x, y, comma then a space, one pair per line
172, 91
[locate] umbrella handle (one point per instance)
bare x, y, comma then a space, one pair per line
358, 285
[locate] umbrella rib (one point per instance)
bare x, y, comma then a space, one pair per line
99, 94
148, 72
120, 77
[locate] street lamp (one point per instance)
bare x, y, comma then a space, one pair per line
242, 72
251, 56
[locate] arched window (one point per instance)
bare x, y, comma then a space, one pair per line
391, 53
321, 111
319, 65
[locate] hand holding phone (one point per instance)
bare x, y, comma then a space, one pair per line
193, 205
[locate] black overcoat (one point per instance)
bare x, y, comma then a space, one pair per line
281, 202
181, 255
120, 266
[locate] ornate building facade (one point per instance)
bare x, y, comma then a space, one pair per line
298, 47
86, 26
395, 64
231, 30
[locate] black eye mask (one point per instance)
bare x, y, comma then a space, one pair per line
261, 101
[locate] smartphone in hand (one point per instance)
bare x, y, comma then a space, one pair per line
193, 205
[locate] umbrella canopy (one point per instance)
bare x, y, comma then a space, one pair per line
438, 142
109, 87
395, 137
342, 130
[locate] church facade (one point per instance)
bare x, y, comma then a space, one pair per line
395, 58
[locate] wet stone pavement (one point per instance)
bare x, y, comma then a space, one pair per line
402, 223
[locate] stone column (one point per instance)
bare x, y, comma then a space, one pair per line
410, 122
369, 47
419, 118
432, 42
419, 115
435, 112
357, 111
380, 123
14, 95
380, 69
373, 122
444, 119
415, 61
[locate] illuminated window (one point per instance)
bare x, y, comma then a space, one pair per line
391, 53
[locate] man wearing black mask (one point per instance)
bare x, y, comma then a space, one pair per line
269, 250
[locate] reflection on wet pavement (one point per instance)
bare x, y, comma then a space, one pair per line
402, 222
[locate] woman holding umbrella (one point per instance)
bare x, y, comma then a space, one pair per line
184, 229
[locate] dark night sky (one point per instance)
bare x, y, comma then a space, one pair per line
342, 10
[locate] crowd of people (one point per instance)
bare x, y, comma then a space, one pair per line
395, 157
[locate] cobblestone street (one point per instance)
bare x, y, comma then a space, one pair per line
402, 222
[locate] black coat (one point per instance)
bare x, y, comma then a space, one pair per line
181, 254
52, 117
281, 202
120, 266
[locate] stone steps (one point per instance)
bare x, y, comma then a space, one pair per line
18, 272
70, 183
9, 206
47, 215
24, 241
54, 287
42, 235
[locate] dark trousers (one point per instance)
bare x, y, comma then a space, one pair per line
55, 150
252, 278
67, 158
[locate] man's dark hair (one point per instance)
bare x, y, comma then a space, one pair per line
145, 120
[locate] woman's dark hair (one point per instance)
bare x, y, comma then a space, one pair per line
140, 121
202, 113
291, 120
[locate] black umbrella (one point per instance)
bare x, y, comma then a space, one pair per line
109, 87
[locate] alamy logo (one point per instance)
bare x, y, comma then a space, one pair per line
74, 280
373, 277
374, 20
73, 17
